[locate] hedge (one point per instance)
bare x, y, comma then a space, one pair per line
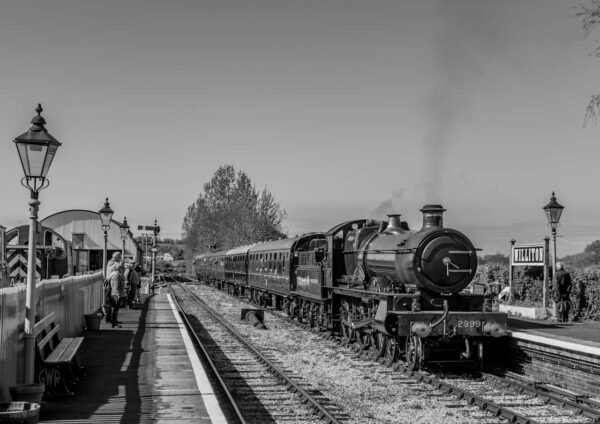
527, 287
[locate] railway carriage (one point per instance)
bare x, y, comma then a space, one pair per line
236, 269
272, 269
210, 267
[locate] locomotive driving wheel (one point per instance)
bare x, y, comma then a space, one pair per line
392, 350
378, 343
414, 352
347, 333
363, 339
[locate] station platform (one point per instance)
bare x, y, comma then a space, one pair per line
144, 372
581, 337
563, 354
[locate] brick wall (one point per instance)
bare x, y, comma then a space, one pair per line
575, 371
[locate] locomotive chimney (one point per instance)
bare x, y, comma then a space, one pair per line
433, 216
394, 222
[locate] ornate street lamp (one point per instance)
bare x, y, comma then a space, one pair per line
36, 150
154, 250
553, 212
124, 231
106, 214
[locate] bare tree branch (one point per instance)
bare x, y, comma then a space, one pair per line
592, 111
590, 17
590, 20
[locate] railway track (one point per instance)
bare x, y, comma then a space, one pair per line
509, 398
259, 388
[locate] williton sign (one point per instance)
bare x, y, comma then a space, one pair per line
528, 255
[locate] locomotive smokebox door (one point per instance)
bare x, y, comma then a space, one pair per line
447, 262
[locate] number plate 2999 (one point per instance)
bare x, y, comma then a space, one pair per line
469, 326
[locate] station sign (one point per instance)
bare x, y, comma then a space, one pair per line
528, 255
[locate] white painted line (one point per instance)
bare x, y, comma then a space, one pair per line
206, 390
590, 350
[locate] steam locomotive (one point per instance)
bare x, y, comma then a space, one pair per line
378, 285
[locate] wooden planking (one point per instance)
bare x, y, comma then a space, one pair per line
41, 325
68, 299
142, 375
48, 338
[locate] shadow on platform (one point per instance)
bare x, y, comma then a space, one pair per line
113, 388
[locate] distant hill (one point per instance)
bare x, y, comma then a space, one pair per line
589, 257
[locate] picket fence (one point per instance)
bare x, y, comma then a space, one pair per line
69, 298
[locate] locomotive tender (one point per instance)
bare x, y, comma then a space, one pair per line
376, 284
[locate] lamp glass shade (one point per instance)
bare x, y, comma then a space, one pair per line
124, 228
553, 211
106, 214
36, 158
553, 214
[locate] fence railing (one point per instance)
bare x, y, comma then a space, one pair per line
69, 298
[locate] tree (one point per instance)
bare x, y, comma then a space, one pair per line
590, 17
231, 212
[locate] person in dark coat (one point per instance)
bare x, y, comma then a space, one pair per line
561, 284
117, 287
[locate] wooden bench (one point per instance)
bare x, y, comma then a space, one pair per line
56, 358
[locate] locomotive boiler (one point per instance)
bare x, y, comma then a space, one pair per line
434, 258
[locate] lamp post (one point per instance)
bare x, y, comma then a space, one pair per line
36, 150
124, 231
553, 212
106, 214
156, 230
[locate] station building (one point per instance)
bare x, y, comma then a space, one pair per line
83, 230
68, 243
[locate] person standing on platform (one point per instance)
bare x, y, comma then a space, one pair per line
117, 287
113, 263
111, 268
561, 284
133, 279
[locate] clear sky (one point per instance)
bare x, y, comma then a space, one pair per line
342, 108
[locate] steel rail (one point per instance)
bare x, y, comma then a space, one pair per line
471, 398
321, 411
461, 394
544, 392
208, 359
582, 406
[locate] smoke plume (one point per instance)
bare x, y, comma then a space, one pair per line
467, 40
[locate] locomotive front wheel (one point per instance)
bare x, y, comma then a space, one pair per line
414, 352
391, 351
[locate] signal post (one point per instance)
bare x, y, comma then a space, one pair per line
155, 229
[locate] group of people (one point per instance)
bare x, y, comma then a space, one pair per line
121, 287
